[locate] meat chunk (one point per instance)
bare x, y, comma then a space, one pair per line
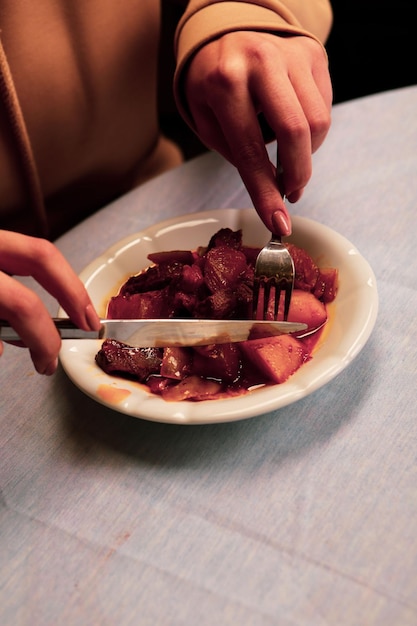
118, 358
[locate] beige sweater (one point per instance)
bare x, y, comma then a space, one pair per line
78, 85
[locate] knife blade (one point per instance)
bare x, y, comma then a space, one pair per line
146, 333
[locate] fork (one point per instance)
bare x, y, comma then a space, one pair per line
274, 270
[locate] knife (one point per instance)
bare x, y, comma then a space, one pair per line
146, 333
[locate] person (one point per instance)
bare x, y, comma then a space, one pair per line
79, 122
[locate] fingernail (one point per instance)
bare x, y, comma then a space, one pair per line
92, 318
51, 368
280, 223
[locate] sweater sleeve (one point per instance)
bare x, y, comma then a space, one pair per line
205, 20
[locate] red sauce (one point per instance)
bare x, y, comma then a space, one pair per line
112, 395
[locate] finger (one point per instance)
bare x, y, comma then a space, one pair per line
316, 107
30, 256
227, 121
251, 158
285, 115
211, 133
321, 77
238, 121
315, 100
296, 100
25, 312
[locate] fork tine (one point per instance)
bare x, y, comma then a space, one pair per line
274, 269
267, 291
277, 299
255, 299
268, 284
288, 293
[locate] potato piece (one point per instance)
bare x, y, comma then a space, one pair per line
191, 388
276, 357
306, 308
176, 363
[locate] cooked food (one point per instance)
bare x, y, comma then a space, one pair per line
215, 282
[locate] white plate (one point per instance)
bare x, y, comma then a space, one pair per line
353, 316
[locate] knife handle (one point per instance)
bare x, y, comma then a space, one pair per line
66, 329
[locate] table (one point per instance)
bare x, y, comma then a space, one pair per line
305, 516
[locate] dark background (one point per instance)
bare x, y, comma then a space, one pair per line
372, 48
